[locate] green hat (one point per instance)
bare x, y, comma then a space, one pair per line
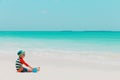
20, 52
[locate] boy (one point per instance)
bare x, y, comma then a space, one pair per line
20, 61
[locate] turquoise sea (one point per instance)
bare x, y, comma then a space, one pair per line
98, 42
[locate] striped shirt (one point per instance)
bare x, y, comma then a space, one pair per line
20, 62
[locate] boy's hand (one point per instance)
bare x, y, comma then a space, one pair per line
30, 67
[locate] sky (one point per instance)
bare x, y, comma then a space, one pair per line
59, 15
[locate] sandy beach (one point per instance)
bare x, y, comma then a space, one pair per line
67, 39
61, 67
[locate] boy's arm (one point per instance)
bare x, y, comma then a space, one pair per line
23, 62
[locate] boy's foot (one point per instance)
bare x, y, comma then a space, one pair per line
36, 69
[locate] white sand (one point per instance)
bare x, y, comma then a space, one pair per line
61, 67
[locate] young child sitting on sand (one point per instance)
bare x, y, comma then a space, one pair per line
20, 61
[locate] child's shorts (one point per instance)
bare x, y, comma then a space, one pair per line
24, 70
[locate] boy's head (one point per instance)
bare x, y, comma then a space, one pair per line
21, 53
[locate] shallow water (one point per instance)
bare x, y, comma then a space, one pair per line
99, 42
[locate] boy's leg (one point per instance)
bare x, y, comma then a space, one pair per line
31, 70
25, 70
